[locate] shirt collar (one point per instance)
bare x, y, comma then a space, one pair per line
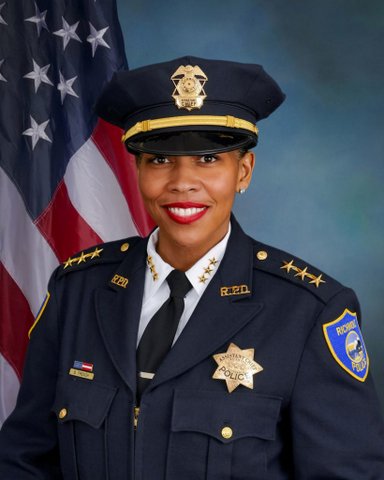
200, 274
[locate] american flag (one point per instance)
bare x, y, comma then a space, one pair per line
66, 181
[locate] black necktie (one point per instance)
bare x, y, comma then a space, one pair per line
158, 337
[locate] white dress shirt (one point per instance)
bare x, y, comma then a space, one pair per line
156, 289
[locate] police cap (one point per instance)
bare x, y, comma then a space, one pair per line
189, 105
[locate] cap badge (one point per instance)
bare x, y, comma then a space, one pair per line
189, 87
236, 367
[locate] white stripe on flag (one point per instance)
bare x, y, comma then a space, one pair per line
96, 194
9, 386
24, 252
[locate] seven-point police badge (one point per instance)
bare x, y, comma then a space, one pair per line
346, 344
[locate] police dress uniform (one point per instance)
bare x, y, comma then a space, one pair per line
268, 379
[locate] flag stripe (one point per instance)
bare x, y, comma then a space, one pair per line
108, 140
13, 308
64, 228
96, 194
9, 383
24, 252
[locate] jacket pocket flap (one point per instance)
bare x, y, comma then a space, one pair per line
226, 417
82, 400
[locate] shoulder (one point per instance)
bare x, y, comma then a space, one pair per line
289, 268
102, 254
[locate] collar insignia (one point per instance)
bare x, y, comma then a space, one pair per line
189, 87
236, 367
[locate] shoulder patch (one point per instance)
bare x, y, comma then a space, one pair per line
295, 270
345, 341
103, 253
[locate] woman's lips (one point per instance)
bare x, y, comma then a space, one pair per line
185, 212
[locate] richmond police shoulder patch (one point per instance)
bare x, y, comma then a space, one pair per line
346, 344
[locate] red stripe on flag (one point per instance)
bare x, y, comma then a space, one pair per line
107, 137
64, 228
16, 320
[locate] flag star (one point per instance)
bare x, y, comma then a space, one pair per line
1, 18
96, 38
65, 87
2, 79
39, 75
37, 131
38, 19
68, 32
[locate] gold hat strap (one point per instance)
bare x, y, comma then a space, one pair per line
189, 121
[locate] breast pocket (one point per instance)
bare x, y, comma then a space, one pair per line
81, 407
221, 436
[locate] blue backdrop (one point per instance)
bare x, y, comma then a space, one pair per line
318, 184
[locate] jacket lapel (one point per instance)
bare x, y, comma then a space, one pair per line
216, 318
118, 313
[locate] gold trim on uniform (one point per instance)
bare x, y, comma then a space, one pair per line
40, 313
303, 273
189, 121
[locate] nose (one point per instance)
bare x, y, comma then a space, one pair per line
183, 177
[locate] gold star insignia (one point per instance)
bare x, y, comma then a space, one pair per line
302, 273
318, 280
68, 263
208, 270
213, 261
236, 367
288, 266
82, 258
203, 279
96, 252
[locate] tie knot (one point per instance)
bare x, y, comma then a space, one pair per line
178, 284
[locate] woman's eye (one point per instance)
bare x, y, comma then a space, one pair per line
208, 159
159, 160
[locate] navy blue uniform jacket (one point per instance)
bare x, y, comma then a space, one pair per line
305, 418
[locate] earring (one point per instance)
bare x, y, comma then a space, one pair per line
242, 190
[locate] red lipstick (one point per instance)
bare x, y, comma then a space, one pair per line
185, 212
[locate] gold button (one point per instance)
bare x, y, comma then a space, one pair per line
226, 432
262, 255
124, 247
63, 413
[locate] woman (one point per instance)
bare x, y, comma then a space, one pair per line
198, 353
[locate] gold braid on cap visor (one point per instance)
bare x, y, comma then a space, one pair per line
190, 121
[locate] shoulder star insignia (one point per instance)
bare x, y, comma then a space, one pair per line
317, 280
203, 278
288, 266
302, 273
236, 367
96, 252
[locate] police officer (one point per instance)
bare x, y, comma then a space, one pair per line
197, 353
